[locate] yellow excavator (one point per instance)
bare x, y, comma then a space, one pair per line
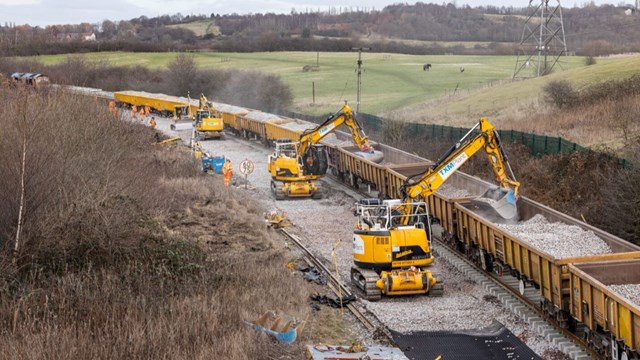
296, 164
206, 125
391, 242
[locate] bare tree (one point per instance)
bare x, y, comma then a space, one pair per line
182, 73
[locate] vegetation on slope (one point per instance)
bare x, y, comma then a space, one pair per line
181, 76
126, 250
591, 30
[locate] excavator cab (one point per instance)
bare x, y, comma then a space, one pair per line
314, 161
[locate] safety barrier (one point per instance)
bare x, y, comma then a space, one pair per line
538, 144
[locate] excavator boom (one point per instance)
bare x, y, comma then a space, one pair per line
344, 116
502, 200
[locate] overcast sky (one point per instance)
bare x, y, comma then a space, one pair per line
48, 12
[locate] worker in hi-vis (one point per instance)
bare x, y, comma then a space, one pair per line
227, 171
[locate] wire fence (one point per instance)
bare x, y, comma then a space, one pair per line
539, 145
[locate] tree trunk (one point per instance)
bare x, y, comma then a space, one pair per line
16, 246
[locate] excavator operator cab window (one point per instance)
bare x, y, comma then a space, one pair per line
286, 148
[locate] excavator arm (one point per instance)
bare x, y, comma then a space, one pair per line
344, 116
203, 102
457, 155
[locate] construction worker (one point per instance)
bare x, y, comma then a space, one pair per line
227, 171
197, 150
152, 122
112, 108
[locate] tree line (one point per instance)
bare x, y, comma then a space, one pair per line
590, 30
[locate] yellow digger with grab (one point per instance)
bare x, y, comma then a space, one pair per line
391, 242
296, 164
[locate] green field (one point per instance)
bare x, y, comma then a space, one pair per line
389, 81
497, 98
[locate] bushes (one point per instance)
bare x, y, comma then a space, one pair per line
561, 93
251, 89
128, 250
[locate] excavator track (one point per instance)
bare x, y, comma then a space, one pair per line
437, 290
365, 280
318, 194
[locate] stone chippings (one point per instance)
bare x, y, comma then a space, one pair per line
452, 192
332, 139
630, 292
558, 239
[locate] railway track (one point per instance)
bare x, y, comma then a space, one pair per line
337, 286
506, 288
381, 176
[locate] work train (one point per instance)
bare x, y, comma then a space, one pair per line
575, 291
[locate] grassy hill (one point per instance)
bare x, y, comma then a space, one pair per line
200, 28
494, 100
395, 85
389, 81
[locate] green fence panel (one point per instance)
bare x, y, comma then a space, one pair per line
538, 144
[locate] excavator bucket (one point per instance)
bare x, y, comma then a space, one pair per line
500, 200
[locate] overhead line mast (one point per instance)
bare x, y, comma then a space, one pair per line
359, 72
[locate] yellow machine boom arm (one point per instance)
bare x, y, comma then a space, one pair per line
344, 116
466, 147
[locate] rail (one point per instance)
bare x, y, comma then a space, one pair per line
336, 285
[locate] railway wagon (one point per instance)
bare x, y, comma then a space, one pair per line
230, 115
253, 124
605, 297
285, 128
537, 257
276, 131
356, 170
165, 104
79, 90
30, 79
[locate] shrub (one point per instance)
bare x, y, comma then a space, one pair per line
560, 93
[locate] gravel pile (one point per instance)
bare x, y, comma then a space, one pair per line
630, 292
332, 139
262, 116
559, 240
323, 223
299, 125
452, 192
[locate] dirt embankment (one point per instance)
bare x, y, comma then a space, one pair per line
127, 250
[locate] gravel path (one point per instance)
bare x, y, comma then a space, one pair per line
330, 221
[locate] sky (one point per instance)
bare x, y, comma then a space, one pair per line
50, 12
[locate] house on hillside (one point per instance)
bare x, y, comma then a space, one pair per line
76, 36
